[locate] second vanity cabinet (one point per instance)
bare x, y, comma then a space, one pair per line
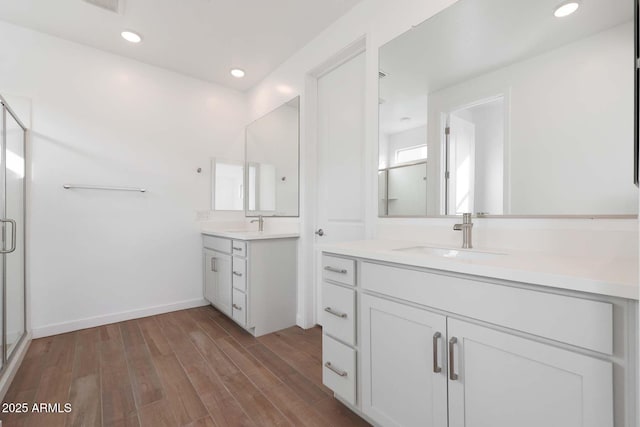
252, 281
435, 349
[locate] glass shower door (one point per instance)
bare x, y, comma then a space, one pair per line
13, 231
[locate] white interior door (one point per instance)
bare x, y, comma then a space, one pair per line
462, 137
340, 162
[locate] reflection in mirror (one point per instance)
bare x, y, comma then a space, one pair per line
227, 182
272, 146
510, 110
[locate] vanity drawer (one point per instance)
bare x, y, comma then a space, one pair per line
239, 273
341, 270
339, 368
338, 315
239, 248
239, 307
217, 244
571, 320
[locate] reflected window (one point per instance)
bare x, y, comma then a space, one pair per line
411, 154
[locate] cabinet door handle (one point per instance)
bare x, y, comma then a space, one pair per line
235, 248
336, 270
452, 375
213, 265
340, 372
335, 313
235, 273
237, 307
436, 337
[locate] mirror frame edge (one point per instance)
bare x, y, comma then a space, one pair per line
246, 163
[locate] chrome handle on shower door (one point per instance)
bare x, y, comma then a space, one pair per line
13, 235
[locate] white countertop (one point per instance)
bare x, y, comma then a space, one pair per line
611, 276
251, 235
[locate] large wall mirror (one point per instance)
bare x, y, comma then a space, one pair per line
272, 162
506, 107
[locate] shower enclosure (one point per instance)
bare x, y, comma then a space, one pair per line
12, 232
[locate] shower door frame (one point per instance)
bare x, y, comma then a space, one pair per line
7, 358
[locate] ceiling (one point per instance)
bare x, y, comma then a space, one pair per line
474, 37
199, 38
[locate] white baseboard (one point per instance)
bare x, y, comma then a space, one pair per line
90, 322
14, 365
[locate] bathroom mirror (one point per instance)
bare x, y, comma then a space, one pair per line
272, 157
502, 108
227, 185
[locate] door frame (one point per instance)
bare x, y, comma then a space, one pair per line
307, 289
505, 95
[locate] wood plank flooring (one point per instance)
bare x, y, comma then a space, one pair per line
191, 368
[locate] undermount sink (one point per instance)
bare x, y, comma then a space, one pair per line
450, 253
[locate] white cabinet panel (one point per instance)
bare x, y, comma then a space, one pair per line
239, 248
339, 312
209, 257
239, 307
507, 381
217, 244
240, 273
402, 383
339, 270
339, 368
222, 266
576, 321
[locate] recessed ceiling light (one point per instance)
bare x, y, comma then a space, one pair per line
566, 9
130, 36
237, 73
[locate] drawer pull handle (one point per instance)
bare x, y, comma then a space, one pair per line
235, 248
237, 307
335, 313
235, 273
329, 366
336, 270
436, 337
452, 375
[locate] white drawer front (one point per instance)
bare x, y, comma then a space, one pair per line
217, 244
339, 270
339, 312
339, 368
239, 273
239, 307
239, 248
576, 321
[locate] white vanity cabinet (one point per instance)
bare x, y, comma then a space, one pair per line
438, 349
254, 282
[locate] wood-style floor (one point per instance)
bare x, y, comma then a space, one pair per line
188, 368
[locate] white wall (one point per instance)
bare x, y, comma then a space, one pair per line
380, 21
489, 177
102, 119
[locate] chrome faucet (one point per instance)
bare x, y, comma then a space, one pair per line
465, 227
260, 222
